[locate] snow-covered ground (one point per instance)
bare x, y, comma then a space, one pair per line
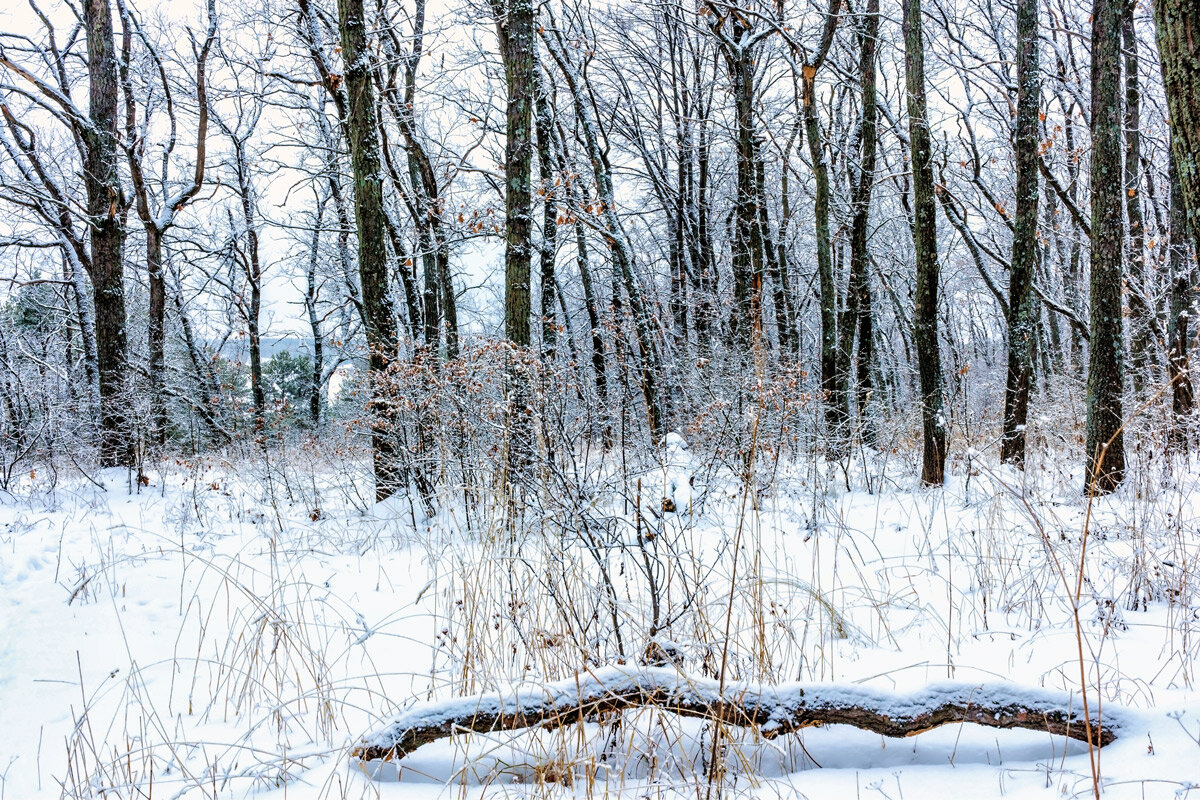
234, 629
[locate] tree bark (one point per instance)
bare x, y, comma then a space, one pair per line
925, 323
747, 245
857, 315
1141, 351
1179, 51
371, 222
1179, 54
316, 376
514, 25
707, 321
1179, 340
1023, 312
156, 332
1105, 448
105, 199
836, 411
544, 128
252, 265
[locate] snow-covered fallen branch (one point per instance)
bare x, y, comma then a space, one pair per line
772, 710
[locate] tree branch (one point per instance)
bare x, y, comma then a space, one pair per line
774, 711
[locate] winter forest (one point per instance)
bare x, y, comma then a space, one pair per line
638, 398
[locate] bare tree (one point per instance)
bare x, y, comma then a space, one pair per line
371, 219
1105, 446
1022, 310
925, 322
158, 206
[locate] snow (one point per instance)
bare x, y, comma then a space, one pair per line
209, 636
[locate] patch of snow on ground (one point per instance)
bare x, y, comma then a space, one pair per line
213, 636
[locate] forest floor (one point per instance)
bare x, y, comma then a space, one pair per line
233, 629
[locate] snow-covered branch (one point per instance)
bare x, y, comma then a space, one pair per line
772, 710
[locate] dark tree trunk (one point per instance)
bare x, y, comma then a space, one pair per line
107, 233
1141, 350
866, 363
253, 269
431, 301
1105, 448
681, 107
857, 313
836, 417
370, 217
747, 240
446, 283
591, 304
544, 127
1023, 311
316, 377
775, 259
705, 261
1183, 290
925, 327
441, 304
1073, 261
1179, 51
156, 334
514, 24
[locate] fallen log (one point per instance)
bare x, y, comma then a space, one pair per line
771, 710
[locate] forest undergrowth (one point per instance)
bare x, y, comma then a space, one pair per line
255, 616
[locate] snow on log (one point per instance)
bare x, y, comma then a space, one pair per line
772, 710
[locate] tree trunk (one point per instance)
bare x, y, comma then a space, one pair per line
866, 363
1141, 351
74, 274
591, 304
1023, 312
925, 327
1105, 448
156, 335
707, 321
1183, 290
315, 381
210, 393
253, 269
678, 254
857, 314
544, 127
775, 258
514, 24
836, 417
1179, 51
747, 243
370, 218
104, 200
